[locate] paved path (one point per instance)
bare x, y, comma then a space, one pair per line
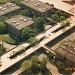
52, 69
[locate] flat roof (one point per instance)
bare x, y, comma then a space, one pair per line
8, 7
37, 5
67, 50
20, 21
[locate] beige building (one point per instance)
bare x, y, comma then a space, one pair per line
67, 52
7, 8
37, 8
16, 24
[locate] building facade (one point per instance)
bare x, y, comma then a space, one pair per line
16, 24
37, 8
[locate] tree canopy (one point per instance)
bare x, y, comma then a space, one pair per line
27, 33
55, 17
2, 27
40, 24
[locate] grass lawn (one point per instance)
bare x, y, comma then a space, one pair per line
8, 39
3, 1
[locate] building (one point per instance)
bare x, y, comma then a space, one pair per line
70, 1
7, 8
37, 8
67, 52
16, 24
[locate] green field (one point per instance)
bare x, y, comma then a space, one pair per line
8, 39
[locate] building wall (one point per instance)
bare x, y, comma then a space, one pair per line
14, 32
65, 60
35, 12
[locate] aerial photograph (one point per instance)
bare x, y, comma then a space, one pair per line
37, 37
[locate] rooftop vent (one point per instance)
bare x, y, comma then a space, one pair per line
35, 4
66, 44
26, 0
10, 3
3, 9
13, 5
21, 18
25, 20
44, 8
17, 23
38, 3
13, 21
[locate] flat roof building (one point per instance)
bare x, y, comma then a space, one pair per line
7, 8
67, 52
37, 7
17, 23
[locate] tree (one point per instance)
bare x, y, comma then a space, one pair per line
58, 12
27, 33
55, 17
40, 24
24, 12
26, 64
33, 41
2, 27
62, 18
43, 65
65, 23
50, 55
2, 48
34, 61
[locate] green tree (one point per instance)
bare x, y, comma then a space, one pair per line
65, 23
58, 12
33, 41
2, 48
55, 17
34, 61
2, 27
43, 65
26, 64
50, 55
62, 18
24, 12
40, 24
27, 33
